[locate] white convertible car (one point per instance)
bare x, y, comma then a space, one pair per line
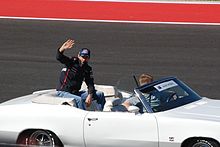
169, 114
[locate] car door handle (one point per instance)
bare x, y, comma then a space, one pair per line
92, 119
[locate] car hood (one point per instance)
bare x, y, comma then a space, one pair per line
204, 109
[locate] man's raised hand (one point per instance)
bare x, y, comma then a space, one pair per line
67, 45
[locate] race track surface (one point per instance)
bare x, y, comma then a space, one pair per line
119, 50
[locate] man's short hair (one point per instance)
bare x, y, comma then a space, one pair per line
145, 78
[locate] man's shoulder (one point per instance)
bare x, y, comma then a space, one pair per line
88, 67
74, 58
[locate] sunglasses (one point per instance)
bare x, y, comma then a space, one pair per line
85, 57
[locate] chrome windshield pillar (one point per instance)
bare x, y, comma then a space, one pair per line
143, 101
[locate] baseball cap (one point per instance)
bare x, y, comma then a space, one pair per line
84, 52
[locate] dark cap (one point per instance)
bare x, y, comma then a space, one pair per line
84, 52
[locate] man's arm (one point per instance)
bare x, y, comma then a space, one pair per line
90, 83
60, 56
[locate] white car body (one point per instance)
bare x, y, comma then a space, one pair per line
73, 127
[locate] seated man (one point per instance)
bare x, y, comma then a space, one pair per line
134, 101
76, 71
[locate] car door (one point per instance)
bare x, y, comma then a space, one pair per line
120, 129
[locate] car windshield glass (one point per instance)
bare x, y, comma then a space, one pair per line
168, 94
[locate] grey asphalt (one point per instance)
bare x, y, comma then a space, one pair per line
119, 50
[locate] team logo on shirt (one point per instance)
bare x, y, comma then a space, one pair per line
64, 69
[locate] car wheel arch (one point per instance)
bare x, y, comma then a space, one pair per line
22, 137
189, 141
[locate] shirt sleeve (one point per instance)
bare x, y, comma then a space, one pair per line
63, 59
89, 80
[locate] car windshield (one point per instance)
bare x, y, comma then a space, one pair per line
167, 94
